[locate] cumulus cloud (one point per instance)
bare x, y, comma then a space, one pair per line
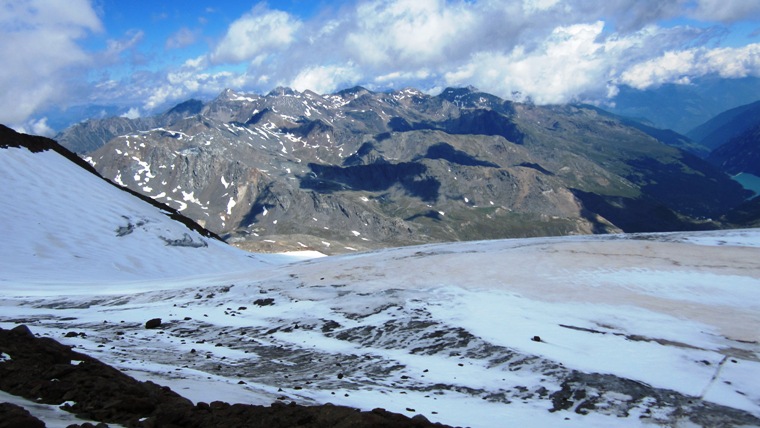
256, 32
568, 63
414, 32
38, 44
132, 113
36, 127
187, 82
685, 65
325, 79
553, 51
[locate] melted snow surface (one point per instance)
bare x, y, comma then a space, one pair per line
444, 329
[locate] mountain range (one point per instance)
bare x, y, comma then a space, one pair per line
360, 170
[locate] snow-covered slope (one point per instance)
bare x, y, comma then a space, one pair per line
617, 330
62, 224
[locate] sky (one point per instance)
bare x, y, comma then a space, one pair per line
144, 56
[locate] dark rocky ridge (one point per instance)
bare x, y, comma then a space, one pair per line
44, 370
362, 170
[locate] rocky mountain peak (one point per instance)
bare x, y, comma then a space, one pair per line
187, 108
282, 91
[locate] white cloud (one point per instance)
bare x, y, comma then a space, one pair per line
551, 50
670, 67
36, 127
413, 32
570, 62
132, 113
38, 44
325, 79
160, 95
187, 82
685, 65
196, 63
258, 31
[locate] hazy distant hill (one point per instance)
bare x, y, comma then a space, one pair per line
726, 126
740, 153
683, 107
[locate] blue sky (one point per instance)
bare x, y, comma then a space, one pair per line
144, 56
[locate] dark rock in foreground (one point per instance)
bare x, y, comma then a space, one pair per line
13, 416
41, 368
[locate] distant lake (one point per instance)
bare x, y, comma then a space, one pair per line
749, 181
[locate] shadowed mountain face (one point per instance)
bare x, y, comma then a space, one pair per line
359, 169
740, 153
734, 136
727, 126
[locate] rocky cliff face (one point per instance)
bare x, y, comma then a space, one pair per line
359, 169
